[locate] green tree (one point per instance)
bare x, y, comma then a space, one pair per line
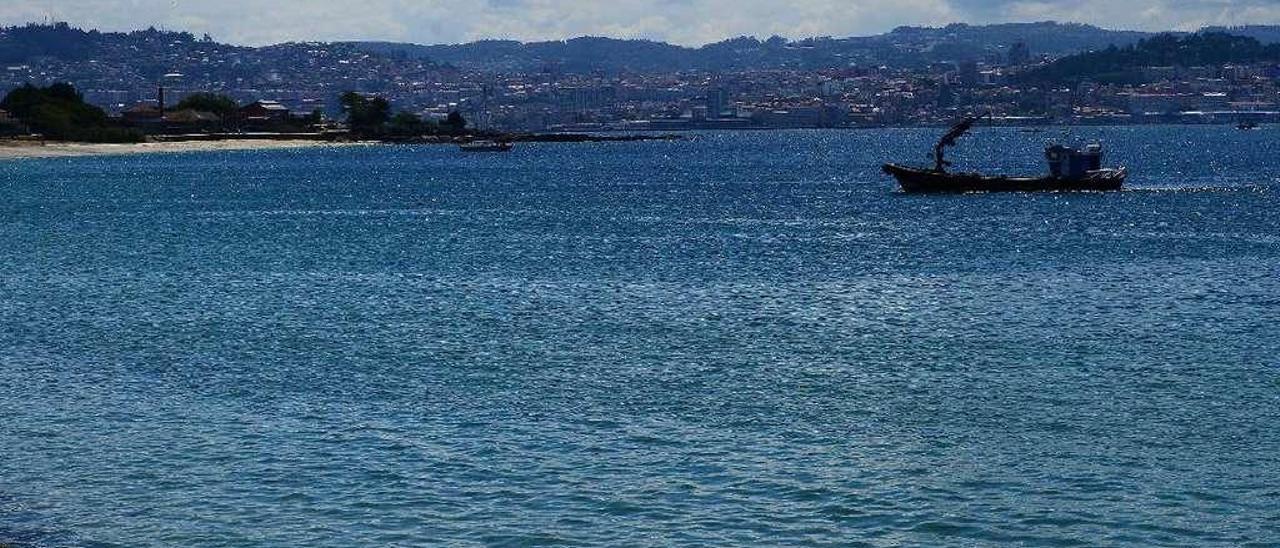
366, 116
51, 120
455, 122
59, 112
22, 102
406, 124
225, 107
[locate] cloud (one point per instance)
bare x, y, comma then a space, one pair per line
690, 22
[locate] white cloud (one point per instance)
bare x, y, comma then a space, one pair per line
690, 22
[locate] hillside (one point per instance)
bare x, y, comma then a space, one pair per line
114, 66
904, 46
1267, 34
146, 54
1121, 64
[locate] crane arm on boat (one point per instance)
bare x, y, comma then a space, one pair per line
949, 140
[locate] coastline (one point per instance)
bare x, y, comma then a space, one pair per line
20, 150
24, 149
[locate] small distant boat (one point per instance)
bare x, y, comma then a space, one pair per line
1070, 169
485, 146
1245, 126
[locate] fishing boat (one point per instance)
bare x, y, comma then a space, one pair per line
1070, 169
485, 146
1246, 126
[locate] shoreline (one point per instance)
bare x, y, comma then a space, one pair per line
23, 150
27, 149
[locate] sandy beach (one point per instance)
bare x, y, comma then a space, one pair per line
13, 150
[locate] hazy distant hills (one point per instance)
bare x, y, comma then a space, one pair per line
904, 46
142, 56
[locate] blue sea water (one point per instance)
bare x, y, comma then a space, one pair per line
740, 339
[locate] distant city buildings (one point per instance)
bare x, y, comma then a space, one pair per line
291, 80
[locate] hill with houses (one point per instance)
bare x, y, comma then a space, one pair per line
910, 75
902, 47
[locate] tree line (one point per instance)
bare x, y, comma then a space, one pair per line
371, 117
59, 112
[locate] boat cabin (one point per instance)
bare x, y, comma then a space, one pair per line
1071, 163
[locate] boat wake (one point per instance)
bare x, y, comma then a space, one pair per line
1254, 188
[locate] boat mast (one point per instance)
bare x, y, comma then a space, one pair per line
948, 140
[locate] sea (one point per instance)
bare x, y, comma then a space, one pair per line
736, 339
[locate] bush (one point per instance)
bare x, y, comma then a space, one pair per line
60, 113
225, 107
367, 116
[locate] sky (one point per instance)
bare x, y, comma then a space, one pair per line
686, 22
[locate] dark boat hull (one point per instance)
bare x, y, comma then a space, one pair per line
923, 180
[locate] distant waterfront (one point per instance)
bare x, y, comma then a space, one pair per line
29, 148
1061, 73
745, 338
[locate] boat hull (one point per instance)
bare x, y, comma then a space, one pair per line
917, 180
